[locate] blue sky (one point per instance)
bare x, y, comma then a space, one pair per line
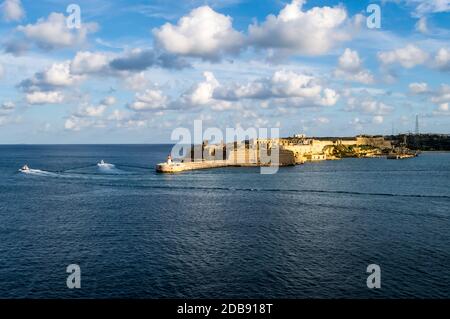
135, 70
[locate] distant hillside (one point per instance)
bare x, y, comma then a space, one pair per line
423, 142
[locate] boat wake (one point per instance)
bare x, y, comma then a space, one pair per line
101, 168
108, 168
37, 172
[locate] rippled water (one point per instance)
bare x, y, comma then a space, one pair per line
307, 232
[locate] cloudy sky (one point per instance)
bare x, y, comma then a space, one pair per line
134, 70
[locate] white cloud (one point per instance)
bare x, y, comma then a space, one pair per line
89, 62
149, 100
202, 33
133, 124
442, 59
2, 71
430, 6
442, 95
322, 120
109, 100
221, 106
74, 123
91, 111
311, 32
350, 68
57, 75
137, 60
408, 57
12, 10
8, 105
425, 7
421, 25
329, 98
418, 88
289, 83
137, 81
367, 105
350, 61
53, 33
443, 107
118, 115
441, 98
202, 93
357, 122
51, 97
297, 88
124, 64
377, 119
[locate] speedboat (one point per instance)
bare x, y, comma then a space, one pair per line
24, 169
102, 164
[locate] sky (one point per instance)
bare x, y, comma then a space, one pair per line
132, 71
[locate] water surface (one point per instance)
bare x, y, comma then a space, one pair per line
307, 232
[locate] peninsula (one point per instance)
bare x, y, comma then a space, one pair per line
289, 151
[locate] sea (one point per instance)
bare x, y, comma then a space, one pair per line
309, 231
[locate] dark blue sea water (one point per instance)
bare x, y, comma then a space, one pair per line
307, 232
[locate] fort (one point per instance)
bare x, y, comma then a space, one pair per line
279, 152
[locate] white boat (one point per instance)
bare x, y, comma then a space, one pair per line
24, 169
102, 164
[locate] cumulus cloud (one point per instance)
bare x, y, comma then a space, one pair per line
68, 74
91, 111
378, 119
86, 62
322, 120
312, 32
442, 95
53, 33
8, 105
58, 75
350, 68
140, 60
418, 88
15, 47
137, 81
421, 25
74, 123
441, 98
442, 59
109, 100
203, 33
88, 115
88, 110
149, 100
368, 105
7, 118
408, 57
201, 93
136, 60
12, 10
46, 87
443, 107
299, 89
430, 6
118, 115
50, 97
350, 61
425, 7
